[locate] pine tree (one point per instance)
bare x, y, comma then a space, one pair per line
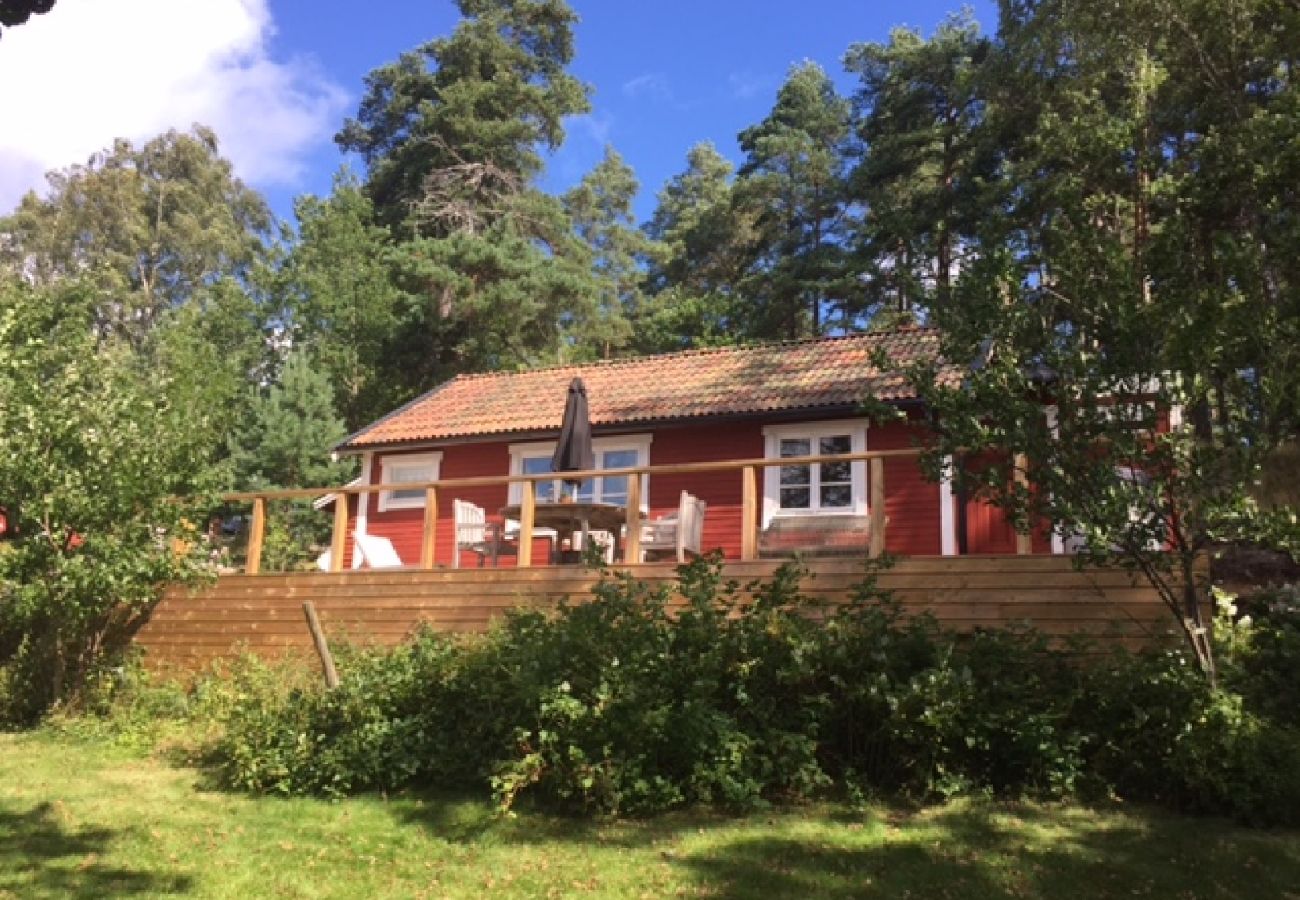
693, 271
792, 184
290, 430
601, 210
459, 121
451, 136
916, 117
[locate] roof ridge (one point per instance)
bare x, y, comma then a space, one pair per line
694, 351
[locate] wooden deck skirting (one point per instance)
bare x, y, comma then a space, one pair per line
263, 614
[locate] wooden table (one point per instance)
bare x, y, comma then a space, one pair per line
576, 518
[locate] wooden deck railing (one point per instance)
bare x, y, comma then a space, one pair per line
751, 494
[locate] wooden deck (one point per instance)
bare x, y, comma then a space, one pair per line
263, 613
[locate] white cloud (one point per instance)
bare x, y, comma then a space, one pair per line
653, 85
94, 70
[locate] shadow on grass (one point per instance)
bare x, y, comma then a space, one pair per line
468, 817
1008, 852
39, 858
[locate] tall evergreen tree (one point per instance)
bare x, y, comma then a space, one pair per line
601, 210
915, 184
286, 439
459, 120
693, 272
792, 183
451, 136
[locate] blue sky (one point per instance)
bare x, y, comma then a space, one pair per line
276, 78
666, 74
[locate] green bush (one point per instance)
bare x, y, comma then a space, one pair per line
633, 703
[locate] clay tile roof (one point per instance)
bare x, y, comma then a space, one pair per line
824, 373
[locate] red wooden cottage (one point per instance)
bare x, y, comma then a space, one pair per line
762, 402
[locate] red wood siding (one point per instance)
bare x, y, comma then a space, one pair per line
912, 503
698, 443
720, 490
989, 530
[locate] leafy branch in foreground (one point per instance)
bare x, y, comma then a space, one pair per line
95, 451
1131, 299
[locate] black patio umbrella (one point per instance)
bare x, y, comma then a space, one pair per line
573, 451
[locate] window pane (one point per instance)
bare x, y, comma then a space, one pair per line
614, 490
836, 473
836, 443
796, 447
536, 465
796, 475
406, 475
586, 490
836, 496
796, 498
618, 459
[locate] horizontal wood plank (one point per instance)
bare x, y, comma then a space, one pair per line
262, 614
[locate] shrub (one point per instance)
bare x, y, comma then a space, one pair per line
636, 702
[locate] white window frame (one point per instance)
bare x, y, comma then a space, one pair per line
856, 429
640, 443
392, 464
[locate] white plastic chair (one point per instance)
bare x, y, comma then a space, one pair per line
681, 532
377, 552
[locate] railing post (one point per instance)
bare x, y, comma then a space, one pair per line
527, 509
878, 521
338, 546
1020, 472
632, 544
255, 531
429, 543
749, 513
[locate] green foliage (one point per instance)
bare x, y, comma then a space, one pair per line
485, 99
485, 271
342, 300
152, 227
103, 470
292, 427
633, 703
1133, 269
692, 277
600, 208
792, 183
917, 175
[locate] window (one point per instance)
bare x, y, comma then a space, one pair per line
827, 488
610, 453
412, 469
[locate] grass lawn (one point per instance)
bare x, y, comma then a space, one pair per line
82, 820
